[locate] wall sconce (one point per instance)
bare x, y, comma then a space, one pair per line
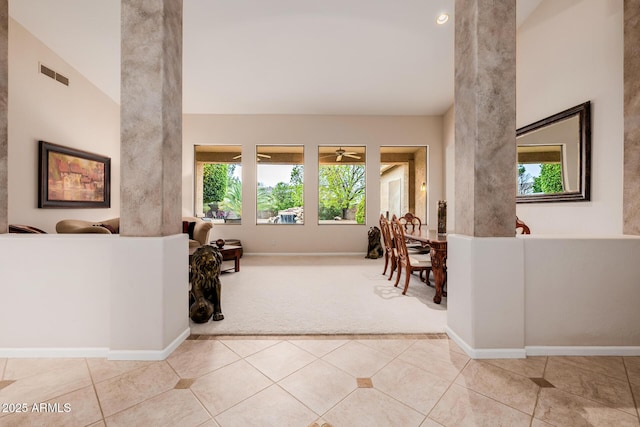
423, 187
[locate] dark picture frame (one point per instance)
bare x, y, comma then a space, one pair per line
583, 161
71, 178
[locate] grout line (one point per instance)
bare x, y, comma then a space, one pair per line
451, 383
95, 391
275, 342
607, 405
535, 406
636, 400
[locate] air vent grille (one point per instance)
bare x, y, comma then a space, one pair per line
47, 71
54, 75
62, 79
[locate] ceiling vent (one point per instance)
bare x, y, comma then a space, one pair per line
54, 75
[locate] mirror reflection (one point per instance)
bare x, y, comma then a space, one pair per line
553, 157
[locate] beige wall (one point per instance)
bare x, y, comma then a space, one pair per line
40, 108
559, 68
309, 131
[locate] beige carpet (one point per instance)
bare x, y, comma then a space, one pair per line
322, 295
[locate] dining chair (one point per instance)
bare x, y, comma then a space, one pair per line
411, 223
521, 227
410, 262
389, 249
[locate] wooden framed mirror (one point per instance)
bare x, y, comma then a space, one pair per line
554, 157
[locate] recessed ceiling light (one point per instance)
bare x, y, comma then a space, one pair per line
442, 19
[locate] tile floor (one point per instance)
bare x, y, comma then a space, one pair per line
420, 380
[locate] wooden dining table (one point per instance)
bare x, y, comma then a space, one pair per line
438, 252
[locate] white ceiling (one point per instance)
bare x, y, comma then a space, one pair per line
277, 56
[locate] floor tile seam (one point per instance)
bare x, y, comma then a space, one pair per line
608, 405
585, 385
484, 362
273, 383
316, 358
289, 374
4, 368
592, 371
535, 406
60, 396
319, 357
136, 404
58, 369
350, 374
425, 416
57, 396
307, 406
355, 378
435, 405
498, 401
202, 374
144, 400
636, 399
195, 396
404, 403
255, 352
338, 402
416, 365
127, 372
436, 354
95, 391
385, 365
392, 355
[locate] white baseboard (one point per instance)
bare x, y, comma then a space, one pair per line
53, 353
582, 350
149, 354
94, 352
486, 353
517, 353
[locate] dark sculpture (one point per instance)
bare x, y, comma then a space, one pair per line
204, 298
375, 247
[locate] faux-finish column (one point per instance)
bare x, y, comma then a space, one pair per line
151, 118
4, 141
485, 125
631, 194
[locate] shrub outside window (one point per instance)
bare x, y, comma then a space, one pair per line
218, 189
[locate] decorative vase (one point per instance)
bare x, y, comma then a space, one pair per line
442, 217
220, 243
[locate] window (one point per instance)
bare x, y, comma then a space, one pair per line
403, 181
280, 176
218, 176
341, 198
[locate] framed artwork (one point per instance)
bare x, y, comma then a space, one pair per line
70, 178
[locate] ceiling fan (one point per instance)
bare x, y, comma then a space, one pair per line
342, 153
266, 156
